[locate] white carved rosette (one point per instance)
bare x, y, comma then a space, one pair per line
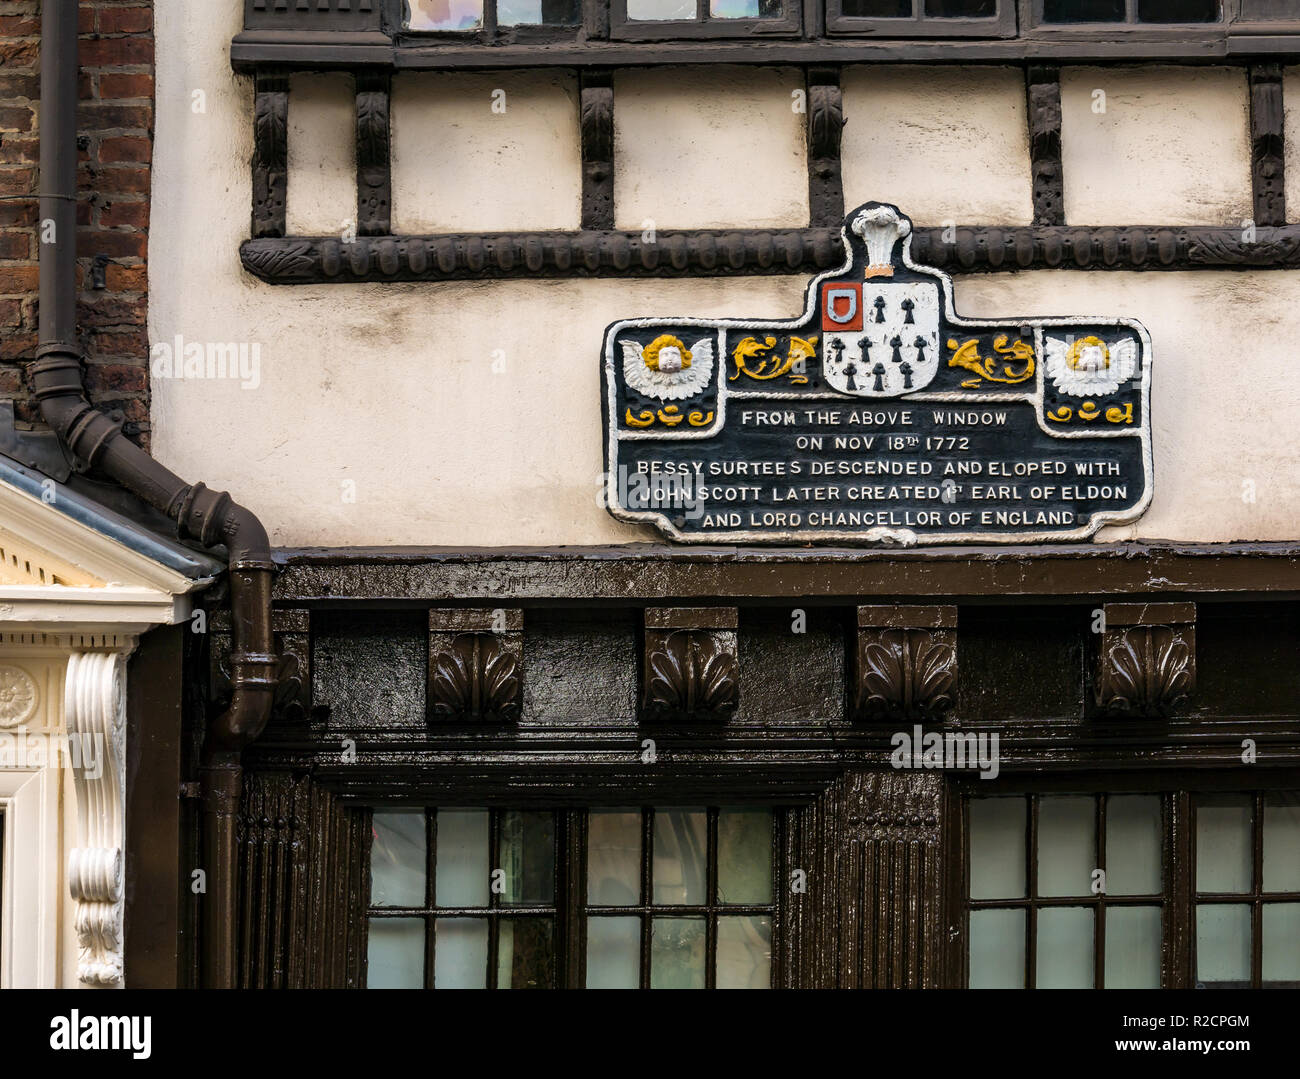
95, 713
18, 696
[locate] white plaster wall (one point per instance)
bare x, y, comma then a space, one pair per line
468, 413
947, 144
1225, 401
709, 148
485, 152
322, 154
1172, 146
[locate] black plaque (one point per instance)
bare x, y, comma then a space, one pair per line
880, 416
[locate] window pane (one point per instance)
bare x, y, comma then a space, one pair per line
614, 858
526, 953
661, 9
997, 848
1133, 845
460, 953
1066, 956
1067, 845
613, 953
398, 858
1083, 10
681, 845
1132, 947
1178, 10
946, 9
1282, 942
395, 953
877, 9
744, 952
997, 949
745, 856
528, 857
1282, 842
745, 9
534, 12
462, 873
445, 14
1267, 9
1222, 943
1223, 856
677, 953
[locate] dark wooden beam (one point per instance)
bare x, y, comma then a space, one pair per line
302, 51
1043, 86
154, 868
1267, 145
746, 252
634, 573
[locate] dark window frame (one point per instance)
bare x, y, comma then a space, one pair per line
570, 908
920, 25
704, 26
1178, 790
1131, 28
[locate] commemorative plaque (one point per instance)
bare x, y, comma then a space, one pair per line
879, 416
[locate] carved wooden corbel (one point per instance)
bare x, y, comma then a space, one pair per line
95, 715
597, 117
270, 154
825, 131
374, 174
690, 668
476, 664
904, 663
1147, 661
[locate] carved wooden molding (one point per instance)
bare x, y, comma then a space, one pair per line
302, 859
904, 663
374, 178
1267, 144
476, 664
270, 154
95, 713
690, 665
890, 873
825, 128
1147, 661
299, 260
597, 116
1048, 176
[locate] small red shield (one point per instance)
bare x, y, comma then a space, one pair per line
841, 305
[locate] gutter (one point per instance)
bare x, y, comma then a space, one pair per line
209, 517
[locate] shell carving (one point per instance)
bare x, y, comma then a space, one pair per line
906, 674
475, 678
691, 674
1148, 671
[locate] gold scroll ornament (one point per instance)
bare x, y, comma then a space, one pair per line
1089, 411
967, 355
670, 416
769, 365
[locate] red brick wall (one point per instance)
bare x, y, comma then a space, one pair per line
115, 131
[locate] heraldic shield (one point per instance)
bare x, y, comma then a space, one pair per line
880, 415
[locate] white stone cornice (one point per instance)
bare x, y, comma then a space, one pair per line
95, 709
